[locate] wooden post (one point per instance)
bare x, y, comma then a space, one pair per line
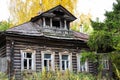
50, 22
60, 24
65, 25
44, 23
11, 60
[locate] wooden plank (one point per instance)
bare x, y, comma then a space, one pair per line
3, 64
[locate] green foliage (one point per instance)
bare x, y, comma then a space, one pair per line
100, 40
98, 25
116, 42
88, 55
107, 36
74, 27
113, 18
3, 76
58, 75
4, 25
115, 59
117, 71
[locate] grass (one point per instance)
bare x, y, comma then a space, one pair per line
58, 75
55, 75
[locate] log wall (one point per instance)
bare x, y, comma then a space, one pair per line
18, 46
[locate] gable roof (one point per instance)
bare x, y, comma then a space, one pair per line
32, 29
53, 9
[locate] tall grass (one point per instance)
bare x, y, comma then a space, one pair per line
58, 75
3, 76
55, 75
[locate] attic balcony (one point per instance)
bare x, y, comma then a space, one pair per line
55, 27
55, 31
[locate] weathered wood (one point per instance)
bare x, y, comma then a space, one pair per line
3, 51
3, 64
41, 34
74, 61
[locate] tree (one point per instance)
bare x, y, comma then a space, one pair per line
106, 36
4, 25
22, 10
83, 21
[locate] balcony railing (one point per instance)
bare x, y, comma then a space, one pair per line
54, 30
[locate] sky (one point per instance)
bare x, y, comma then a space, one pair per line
96, 8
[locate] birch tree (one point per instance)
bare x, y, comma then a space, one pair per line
23, 10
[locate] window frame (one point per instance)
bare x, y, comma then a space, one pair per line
79, 64
33, 58
52, 59
105, 61
69, 60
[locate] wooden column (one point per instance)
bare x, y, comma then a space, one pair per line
50, 22
60, 24
44, 23
65, 25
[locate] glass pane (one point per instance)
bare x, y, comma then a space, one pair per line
64, 57
30, 63
45, 63
29, 55
82, 67
48, 56
25, 63
50, 63
67, 63
63, 65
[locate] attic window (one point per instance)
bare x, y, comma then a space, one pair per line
47, 20
56, 24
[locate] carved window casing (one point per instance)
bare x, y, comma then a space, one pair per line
105, 62
81, 67
28, 60
48, 60
65, 61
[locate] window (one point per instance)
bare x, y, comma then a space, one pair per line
28, 60
105, 62
48, 60
56, 24
65, 62
47, 21
82, 67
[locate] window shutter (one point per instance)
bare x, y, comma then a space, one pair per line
70, 61
60, 57
52, 59
86, 66
22, 60
33, 61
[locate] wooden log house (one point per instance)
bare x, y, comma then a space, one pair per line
44, 41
